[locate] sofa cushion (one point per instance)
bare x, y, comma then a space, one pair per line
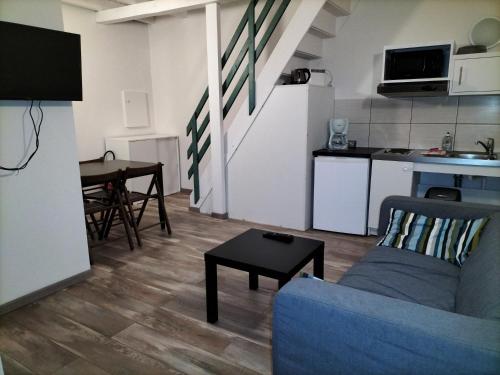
478, 292
445, 238
407, 276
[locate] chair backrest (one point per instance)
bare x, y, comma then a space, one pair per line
143, 171
109, 152
101, 159
113, 177
444, 193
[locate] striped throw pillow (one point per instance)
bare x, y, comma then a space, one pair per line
444, 238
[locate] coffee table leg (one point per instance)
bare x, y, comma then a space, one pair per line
211, 289
253, 279
318, 267
282, 282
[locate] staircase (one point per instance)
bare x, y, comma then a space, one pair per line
281, 35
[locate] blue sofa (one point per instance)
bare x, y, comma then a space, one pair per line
396, 311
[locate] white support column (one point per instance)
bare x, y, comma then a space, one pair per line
217, 151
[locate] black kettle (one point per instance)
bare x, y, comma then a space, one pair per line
300, 76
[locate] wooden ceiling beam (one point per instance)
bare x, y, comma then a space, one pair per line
148, 9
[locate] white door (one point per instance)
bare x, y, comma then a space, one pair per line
341, 194
388, 178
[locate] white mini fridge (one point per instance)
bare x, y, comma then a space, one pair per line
341, 186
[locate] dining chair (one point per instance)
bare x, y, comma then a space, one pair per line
94, 193
100, 159
130, 214
135, 197
108, 207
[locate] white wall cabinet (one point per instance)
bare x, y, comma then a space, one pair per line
476, 74
388, 178
150, 148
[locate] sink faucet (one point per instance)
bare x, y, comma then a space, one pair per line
489, 146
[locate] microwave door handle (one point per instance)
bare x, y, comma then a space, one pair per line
460, 75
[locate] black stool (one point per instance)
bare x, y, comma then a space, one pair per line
444, 194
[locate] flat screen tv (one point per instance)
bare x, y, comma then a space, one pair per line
39, 64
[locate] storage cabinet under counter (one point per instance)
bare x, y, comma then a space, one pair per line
388, 178
152, 148
402, 174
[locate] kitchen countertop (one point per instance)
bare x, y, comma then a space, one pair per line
358, 152
415, 156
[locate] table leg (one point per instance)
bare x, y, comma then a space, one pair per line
253, 279
319, 259
161, 196
282, 282
211, 290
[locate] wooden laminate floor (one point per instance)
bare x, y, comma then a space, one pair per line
143, 312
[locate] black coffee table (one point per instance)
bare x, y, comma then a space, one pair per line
256, 255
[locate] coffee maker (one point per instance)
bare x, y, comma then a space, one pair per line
338, 133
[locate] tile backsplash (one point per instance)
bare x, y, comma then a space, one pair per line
391, 111
420, 123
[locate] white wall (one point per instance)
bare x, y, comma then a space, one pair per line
114, 58
355, 56
179, 68
42, 232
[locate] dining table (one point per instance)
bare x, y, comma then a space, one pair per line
97, 168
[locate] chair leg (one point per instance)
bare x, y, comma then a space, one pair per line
89, 229
108, 221
169, 229
94, 222
91, 258
132, 218
141, 212
145, 201
124, 219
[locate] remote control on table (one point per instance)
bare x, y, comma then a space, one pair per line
282, 237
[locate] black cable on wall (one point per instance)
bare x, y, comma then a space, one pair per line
36, 129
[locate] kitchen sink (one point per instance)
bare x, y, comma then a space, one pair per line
473, 155
398, 151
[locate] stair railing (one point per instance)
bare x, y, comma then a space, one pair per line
248, 49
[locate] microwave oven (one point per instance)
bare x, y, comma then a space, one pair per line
419, 62
417, 70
